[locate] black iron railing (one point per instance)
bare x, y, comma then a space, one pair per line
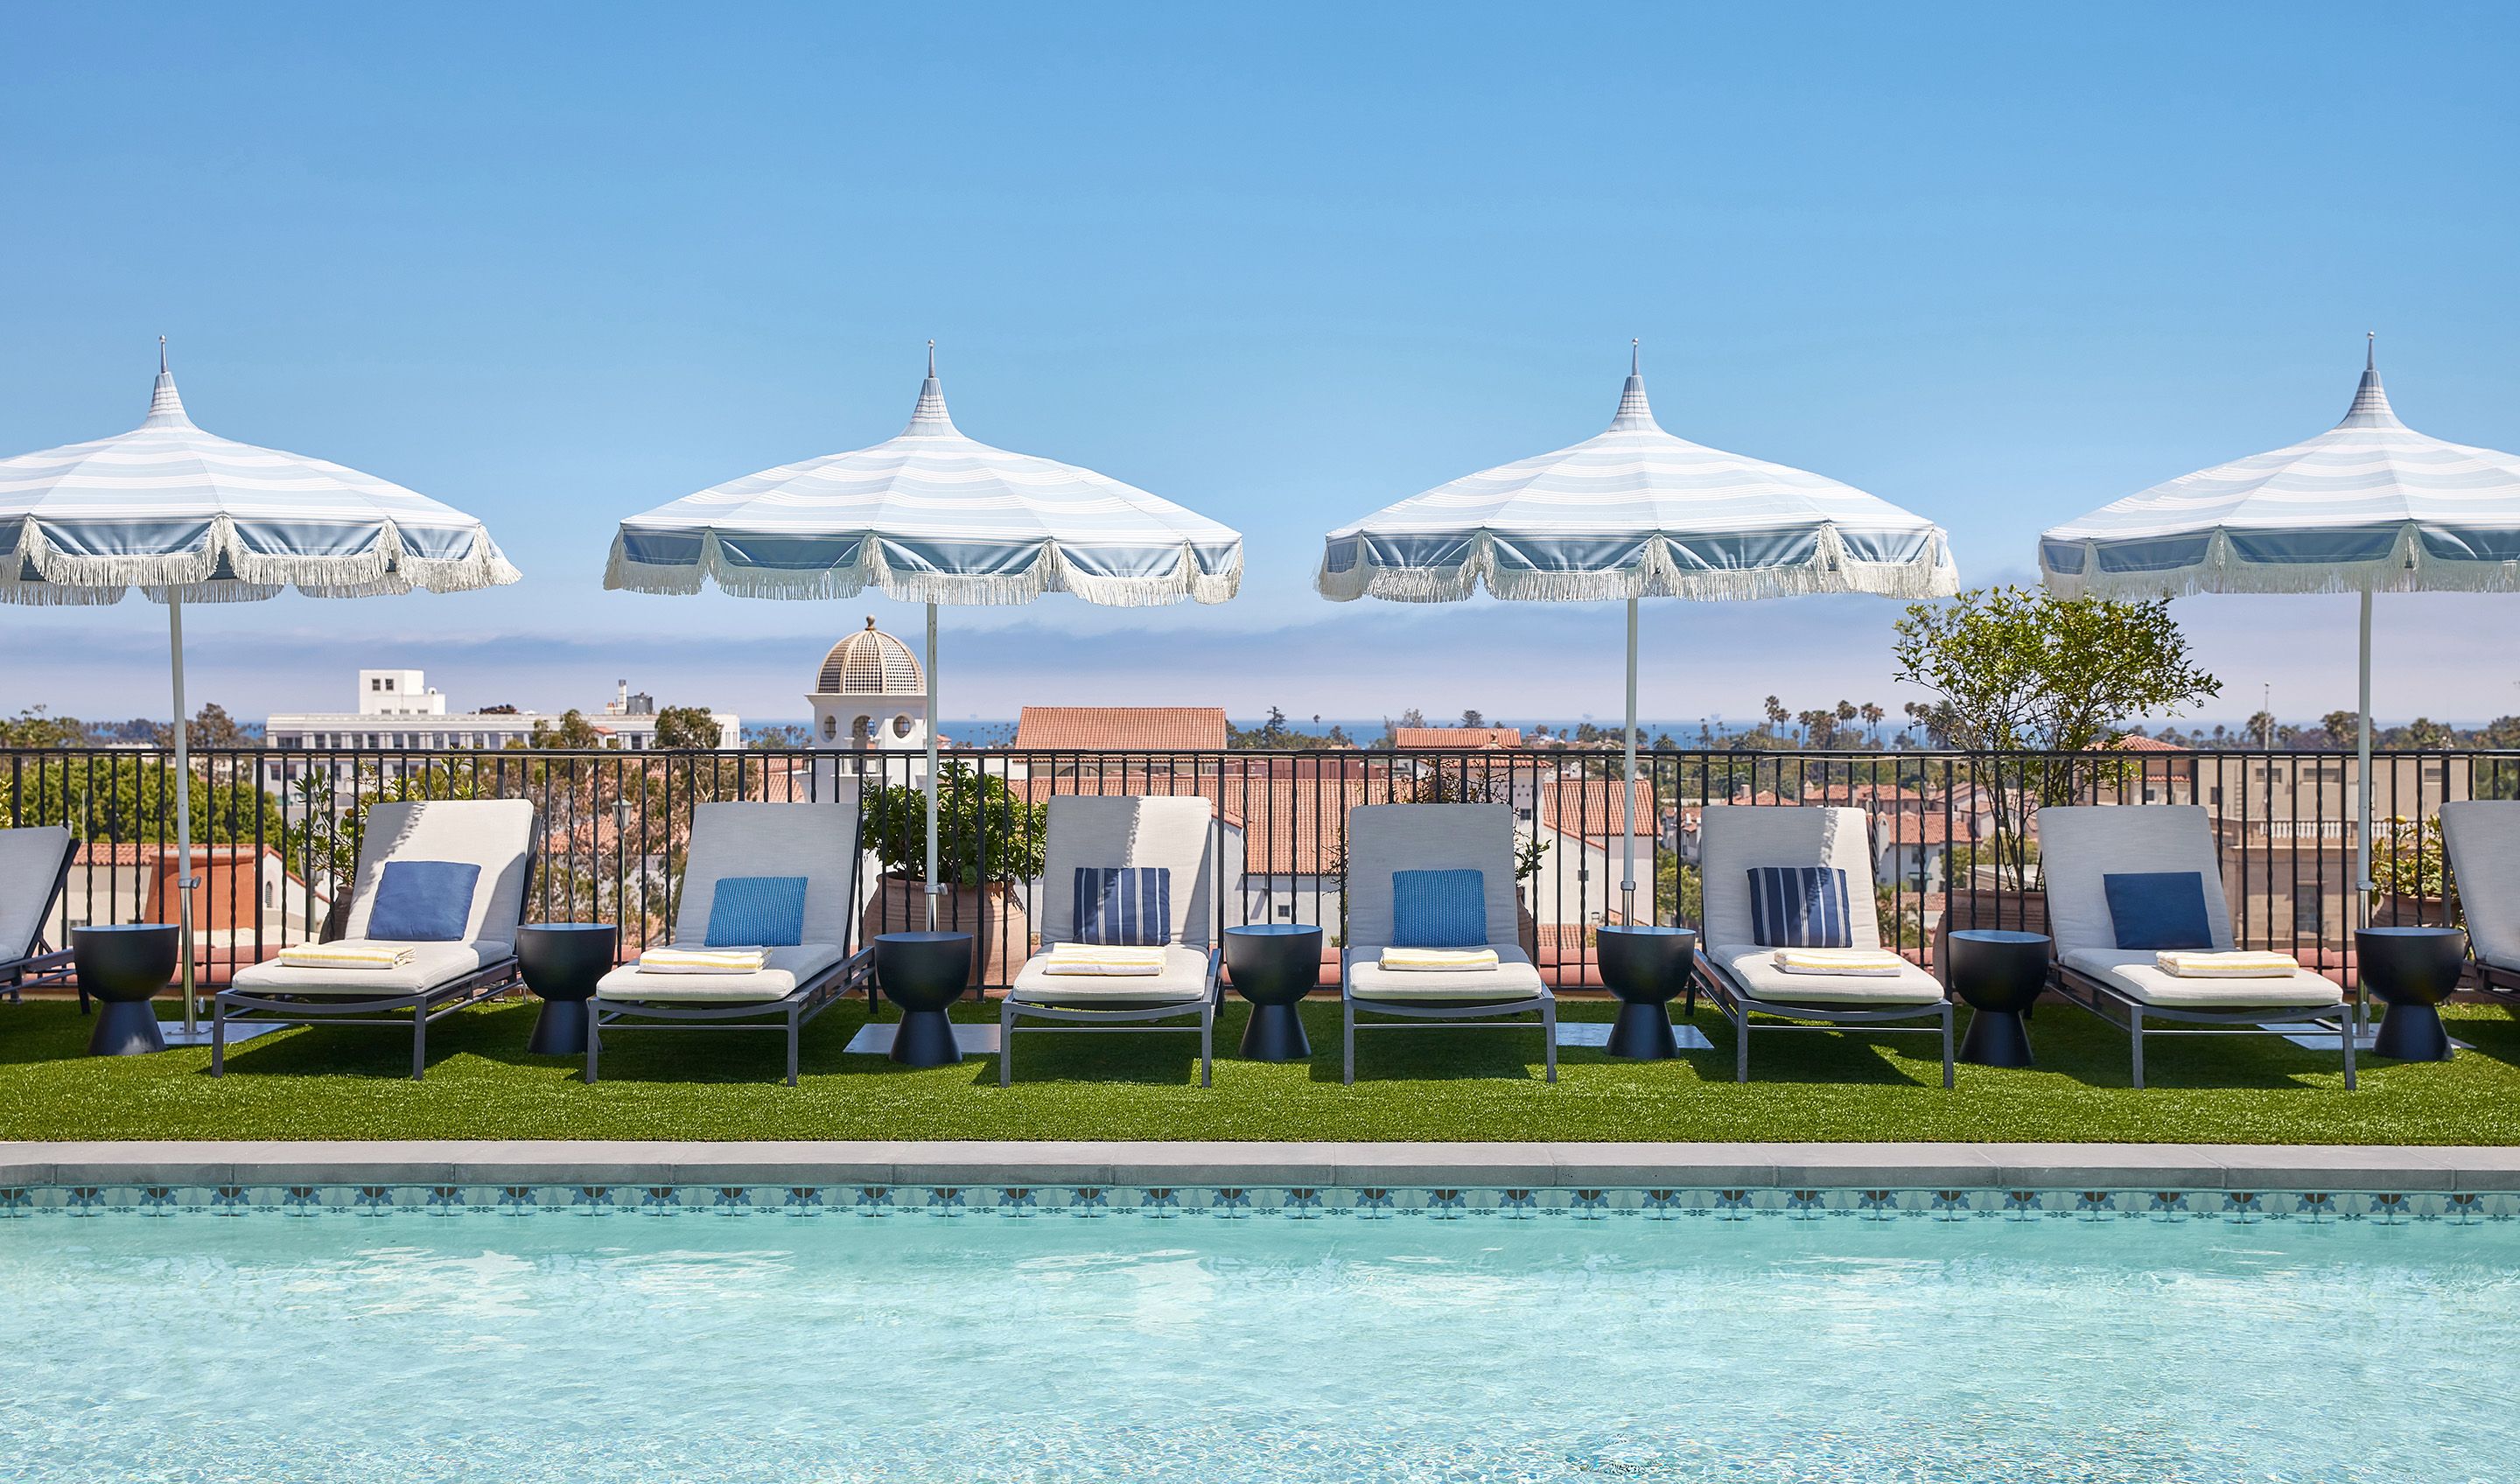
1955, 838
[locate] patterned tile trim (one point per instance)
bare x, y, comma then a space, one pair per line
1301, 1202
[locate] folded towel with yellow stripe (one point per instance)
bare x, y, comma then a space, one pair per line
1439, 959
2197, 964
703, 961
344, 956
1865, 963
1105, 960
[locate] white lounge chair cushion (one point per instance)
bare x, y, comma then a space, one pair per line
30, 864
494, 834
1090, 831
1755, 969
817, 841
2081, 845
789, 967
1384, 838
2133, 974
1513, 977
429, 966
1734, 839
2483, 838
1184, 981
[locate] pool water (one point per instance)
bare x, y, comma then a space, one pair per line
554, 1347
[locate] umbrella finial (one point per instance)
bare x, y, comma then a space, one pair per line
2370, 407
1634, 411
929, 416
165, 408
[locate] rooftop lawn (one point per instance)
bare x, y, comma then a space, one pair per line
350, 1082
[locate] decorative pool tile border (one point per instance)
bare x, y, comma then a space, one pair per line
1239, 1202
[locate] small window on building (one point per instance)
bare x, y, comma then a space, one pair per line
830, 728
2214, 796
901, 725
2305, 914
1287, 912
376, 685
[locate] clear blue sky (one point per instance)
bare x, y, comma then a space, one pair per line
1285, 264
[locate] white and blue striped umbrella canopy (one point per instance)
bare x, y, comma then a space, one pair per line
930, 516
181, 512
2369, 504
1636, 511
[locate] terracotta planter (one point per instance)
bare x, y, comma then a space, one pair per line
1526, 926
994, 914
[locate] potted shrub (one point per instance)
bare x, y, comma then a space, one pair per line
2410, 874
989, 842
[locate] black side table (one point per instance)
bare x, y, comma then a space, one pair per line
562, 961
123, 966
924, 973
1273, 966
2412, 969
1646, 968
1999, 975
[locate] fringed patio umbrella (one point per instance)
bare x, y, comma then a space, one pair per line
930, 516
189, 516
2369, 505
1636, 513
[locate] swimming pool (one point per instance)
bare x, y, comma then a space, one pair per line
552, 1345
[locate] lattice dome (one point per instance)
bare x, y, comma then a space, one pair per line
870, 662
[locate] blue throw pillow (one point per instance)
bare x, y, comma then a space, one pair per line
1439, 909
757, 911
2159, 909
1124, 904
424, 901
1800, 907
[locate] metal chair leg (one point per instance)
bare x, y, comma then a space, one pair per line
218, 1037
594, 1040
1549, 1036
419, 1040
1741, 1044
1947, 1044
794, 1027
1348, 1040
2139, 1051
2349, 1038
1006, 1040
1206, 1041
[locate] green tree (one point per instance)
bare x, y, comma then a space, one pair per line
1270, 735
212, 727
573, 733
985, 832
788, 738
2024, 670
35, 727
1471, 717
686, 729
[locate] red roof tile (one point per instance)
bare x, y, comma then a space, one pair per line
1456, 737
1122, 729
1589, 808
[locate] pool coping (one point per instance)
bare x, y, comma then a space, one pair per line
1155, 1163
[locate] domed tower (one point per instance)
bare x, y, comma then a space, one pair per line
870, 695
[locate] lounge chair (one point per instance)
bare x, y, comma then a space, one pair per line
2483, 839
818, 841
1385, 840
34, 863
438, 976
2081, 845
1737, 959
1176, 835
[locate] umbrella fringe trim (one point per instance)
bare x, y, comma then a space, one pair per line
1931, 575
2407, 568
384, 568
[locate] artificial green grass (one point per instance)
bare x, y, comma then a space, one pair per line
350, 1082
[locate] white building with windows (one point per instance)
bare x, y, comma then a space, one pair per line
399, 710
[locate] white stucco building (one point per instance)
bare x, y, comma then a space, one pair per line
399, 710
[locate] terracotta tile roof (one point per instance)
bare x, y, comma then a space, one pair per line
2132, 743
1122, 729
1902, 828
140, 853
1589, 808
1456, 737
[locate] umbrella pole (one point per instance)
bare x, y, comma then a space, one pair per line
931, 767
1628, 796
183, 814
2362, 772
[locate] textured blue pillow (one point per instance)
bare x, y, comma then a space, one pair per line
1439, 909
1800, 907
757, 911
1124, 904
423, 901
2159, 909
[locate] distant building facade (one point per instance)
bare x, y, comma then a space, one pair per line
399, 710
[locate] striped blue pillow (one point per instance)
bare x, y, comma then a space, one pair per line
757, 911
1800, 907
1124, 904
1439, 909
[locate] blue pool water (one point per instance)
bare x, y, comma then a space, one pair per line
552, 1347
